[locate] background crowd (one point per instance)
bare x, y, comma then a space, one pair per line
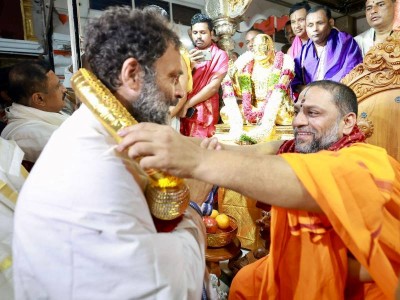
78, 225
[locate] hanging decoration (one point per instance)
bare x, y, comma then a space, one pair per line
272, 24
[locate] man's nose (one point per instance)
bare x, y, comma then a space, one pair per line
374, 9
179, 91
299, 120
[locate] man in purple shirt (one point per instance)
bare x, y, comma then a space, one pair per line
329, 54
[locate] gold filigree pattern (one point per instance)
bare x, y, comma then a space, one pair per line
376, 83
366, 126
379, 71
223, 238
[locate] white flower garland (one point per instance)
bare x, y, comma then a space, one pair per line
231, 107
265, 129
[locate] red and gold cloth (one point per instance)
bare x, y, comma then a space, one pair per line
202, 123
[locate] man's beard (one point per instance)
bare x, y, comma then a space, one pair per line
326, 140
152, 104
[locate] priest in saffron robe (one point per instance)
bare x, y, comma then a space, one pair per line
210, 65
318, 255
328, 54
336, 200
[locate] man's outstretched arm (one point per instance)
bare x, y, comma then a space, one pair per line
266, 178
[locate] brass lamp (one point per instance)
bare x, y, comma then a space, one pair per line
226, 14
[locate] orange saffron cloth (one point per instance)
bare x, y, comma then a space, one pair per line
358, 189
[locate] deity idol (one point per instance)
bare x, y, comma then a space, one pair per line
262, 80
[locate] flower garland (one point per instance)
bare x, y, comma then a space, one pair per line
231, 107
255, 115
279, 92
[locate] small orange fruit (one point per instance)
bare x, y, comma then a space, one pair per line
214, 213
222, 221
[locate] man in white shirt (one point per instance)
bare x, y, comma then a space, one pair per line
380, 16
83, 229
38, 97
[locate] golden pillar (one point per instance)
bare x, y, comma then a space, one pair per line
26, 10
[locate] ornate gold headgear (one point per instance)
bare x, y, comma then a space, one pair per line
263, 48
167, 196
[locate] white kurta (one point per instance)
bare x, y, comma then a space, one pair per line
12, 176
83, 229
31, 128
365, 40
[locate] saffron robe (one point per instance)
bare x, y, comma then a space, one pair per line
202, 123
358, 189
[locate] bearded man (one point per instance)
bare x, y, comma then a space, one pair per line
83, 229
335, 214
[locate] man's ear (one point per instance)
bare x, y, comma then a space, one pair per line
131, 74
332, 22
350, 120
37, 101
213, 35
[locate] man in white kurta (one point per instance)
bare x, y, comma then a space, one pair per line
380, 16
83, 229
365, 40
38, 97
12, 176
31, 128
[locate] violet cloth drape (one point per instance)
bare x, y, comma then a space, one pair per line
343, 54
295, 49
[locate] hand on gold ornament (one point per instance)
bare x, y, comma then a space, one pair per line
160, 146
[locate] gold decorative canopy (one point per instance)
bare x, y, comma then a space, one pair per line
232, 9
